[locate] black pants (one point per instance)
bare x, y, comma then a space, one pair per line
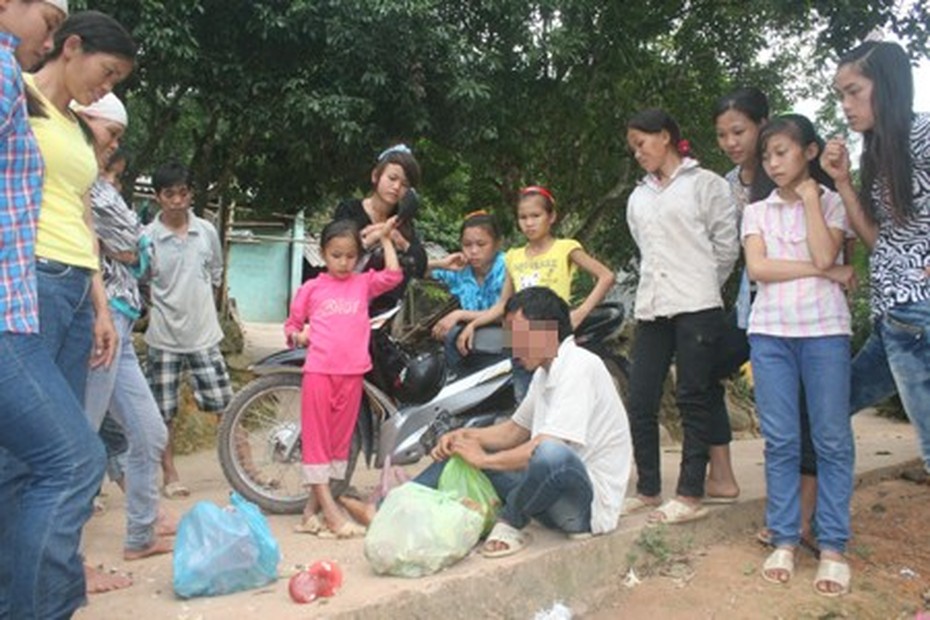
693, 339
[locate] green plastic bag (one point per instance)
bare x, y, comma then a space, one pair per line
419, 531
466, 481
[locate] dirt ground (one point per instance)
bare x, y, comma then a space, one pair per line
889, 556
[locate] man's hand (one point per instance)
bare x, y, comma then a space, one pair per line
470, 449
444, 447
105, 341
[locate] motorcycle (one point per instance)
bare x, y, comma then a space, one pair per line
409, 401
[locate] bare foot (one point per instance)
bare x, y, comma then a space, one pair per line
166, 524
158, 547
99, 581
363, 512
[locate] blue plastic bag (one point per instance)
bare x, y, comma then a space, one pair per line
223, 550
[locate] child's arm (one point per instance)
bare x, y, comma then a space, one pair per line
605, 279
491, 315
294, 332
390, 252
453, 262
764, 269
823, 243
835, 162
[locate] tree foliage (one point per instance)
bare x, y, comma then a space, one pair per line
285, 104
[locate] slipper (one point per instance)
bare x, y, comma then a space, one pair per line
175, 490
831, 571
676, 511
780, 559
580, 535
507, 534
311, 525
348, 529
764, 537
632, 505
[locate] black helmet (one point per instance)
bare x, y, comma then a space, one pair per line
421, 379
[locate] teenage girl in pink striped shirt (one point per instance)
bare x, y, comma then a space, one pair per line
799, 332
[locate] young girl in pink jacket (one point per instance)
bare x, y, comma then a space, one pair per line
335, 305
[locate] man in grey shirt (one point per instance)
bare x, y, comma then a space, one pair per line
183, 330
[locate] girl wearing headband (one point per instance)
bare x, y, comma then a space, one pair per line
544, 261
395, 174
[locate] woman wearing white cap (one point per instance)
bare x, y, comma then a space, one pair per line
121, 388
50, 460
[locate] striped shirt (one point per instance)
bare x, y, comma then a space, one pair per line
20, 196
803, 307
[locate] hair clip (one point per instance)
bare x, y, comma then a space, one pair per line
397, 148
537, 189
684, 147
477, 213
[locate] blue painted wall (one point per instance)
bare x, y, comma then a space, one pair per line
259, 278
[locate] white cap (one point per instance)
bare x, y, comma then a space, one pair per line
61, 4
108, 108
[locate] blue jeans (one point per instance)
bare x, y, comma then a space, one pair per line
123, 390
896, 359
51, 465
554, 489
822, 365
66, 319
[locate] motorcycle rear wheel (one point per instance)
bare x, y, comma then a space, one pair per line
260, 448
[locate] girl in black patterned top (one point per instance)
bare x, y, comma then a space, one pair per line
891, 215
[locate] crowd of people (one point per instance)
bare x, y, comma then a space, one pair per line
72, 254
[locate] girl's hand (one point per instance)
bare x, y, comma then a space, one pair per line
105, 341
576, 318
844, 275
373, 233
454, 262
808, 190
446, 323
302, 338
465, 339
835, 160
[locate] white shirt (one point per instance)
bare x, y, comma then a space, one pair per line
575, 400
688, 241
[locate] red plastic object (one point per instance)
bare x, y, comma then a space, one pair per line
321, 579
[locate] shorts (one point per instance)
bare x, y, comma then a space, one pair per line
210, 379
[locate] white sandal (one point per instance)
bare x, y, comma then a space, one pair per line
508, 535
833, 571
780, 559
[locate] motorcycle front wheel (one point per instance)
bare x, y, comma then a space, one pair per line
259, 443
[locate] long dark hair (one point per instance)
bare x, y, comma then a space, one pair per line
752, 103
886, 153
800, 129
99, 34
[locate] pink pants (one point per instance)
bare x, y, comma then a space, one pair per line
329, 410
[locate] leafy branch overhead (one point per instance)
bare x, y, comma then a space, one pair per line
285, 104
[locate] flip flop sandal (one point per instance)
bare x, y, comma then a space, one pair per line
632, 505
831, 571
348, 529
675, 511
311, 525
780, 559
175, 490
507, 534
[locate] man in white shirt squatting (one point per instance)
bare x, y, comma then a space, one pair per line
564, 457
